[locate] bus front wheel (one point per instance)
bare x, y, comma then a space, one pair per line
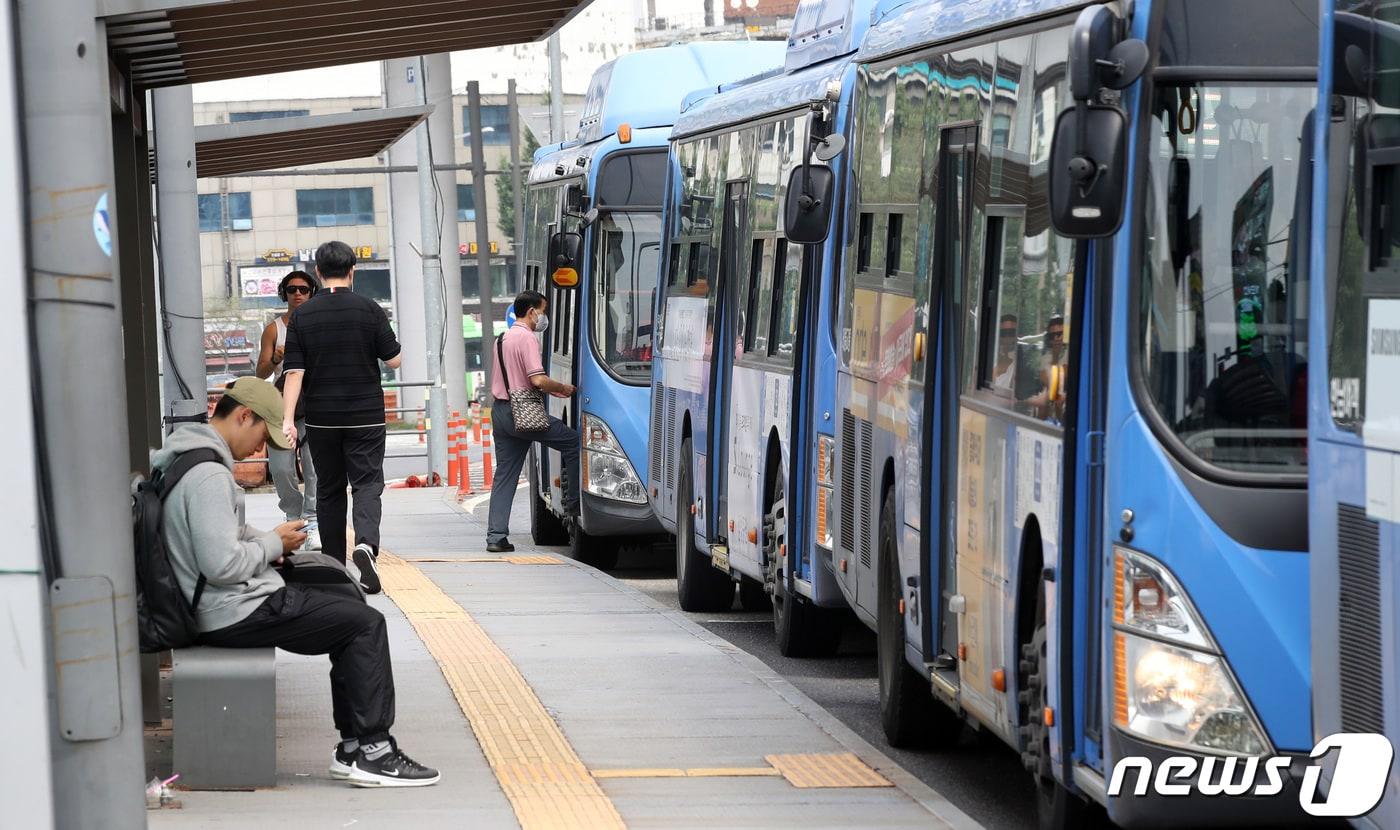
1058, 808
545, 527
591, 550
906, 702
800, 628
699, 585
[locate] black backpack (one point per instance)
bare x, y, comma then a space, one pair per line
165, 618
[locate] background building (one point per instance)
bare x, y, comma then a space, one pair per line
256, 228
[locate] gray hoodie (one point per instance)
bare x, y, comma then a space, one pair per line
205, 533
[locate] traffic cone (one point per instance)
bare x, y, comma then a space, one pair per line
421, 436
476, 422
453, 464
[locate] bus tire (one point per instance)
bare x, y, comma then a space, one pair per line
591, 550
906, 700
753, 596
699, 585
800, 628
1057, 808
545, 527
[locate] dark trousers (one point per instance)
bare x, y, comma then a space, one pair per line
512, 448
356, 457
308, 621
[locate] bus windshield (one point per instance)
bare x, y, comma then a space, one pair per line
629, 246
1223, 310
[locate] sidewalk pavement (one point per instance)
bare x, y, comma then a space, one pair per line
551, 695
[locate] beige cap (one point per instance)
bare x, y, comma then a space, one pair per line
266, 402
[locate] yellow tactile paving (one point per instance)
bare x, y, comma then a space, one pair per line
533, 559
841, 769
697, 772
544, 779
516, 559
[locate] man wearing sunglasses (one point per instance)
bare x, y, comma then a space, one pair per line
295, 288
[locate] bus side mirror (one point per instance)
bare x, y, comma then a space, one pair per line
1088, 158
1088, 183
563, 258
807, 207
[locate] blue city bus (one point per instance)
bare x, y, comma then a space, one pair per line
592, 247
745, 368
1354, 418
1071, 455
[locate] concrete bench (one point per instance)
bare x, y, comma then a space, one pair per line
225, 717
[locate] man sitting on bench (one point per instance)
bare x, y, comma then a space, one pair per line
246, 604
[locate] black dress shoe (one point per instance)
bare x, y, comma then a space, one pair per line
503, 546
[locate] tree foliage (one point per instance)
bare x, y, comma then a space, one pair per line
505, 187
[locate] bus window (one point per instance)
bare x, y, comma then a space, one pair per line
632, 179
1025, 350
1355, 273
894, 238
673, 269
625, 293
1223, 321
760, 302
748, 309
863, 240
697, 272
787, 278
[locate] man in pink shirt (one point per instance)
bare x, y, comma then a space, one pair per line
523, 370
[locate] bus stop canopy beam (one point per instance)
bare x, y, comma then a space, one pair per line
171, 42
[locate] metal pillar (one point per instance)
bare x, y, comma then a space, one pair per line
401, 88
483, 236
517, 241
75, 315
432, 302
438, 77
141, 341
556, 91
182, 297
27, 786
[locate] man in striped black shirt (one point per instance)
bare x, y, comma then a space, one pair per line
335, 341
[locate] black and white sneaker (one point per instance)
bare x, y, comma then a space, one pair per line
342, 762
392, 769
369, 574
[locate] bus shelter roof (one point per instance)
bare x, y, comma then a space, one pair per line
173, 42
274, 143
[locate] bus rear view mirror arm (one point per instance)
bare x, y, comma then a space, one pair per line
1088, 162
807, 210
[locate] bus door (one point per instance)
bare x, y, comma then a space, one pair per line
736, 205
942, 536
561, 341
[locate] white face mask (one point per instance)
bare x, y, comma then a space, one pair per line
541, 323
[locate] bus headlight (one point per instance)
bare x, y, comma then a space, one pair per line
606, 470
1172, 686
1182, 697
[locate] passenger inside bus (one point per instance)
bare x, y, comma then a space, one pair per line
1004, 371
1048, 403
